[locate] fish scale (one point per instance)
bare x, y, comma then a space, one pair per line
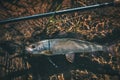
65, 46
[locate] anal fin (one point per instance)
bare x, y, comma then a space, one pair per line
70, 57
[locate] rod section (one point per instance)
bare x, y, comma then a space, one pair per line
56, 13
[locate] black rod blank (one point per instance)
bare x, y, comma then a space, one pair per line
56, 12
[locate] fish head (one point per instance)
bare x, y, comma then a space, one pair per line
36, 48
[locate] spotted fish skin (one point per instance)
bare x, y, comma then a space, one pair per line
64, 46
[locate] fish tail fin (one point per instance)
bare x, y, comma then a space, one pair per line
111, 49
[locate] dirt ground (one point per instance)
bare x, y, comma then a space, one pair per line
99, 25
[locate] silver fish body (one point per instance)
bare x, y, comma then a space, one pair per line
63, 46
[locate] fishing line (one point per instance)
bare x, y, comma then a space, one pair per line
52, 63
49, 45
67, 19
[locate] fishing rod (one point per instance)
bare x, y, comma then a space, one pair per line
57, 12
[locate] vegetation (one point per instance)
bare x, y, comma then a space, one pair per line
100, 25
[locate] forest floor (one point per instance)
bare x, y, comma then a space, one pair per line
100, 26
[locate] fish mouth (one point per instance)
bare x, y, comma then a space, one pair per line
28, 49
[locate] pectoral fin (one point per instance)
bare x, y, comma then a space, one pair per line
70, 57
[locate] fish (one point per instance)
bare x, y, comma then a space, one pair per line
65, 46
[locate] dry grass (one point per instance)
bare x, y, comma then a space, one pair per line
98, 25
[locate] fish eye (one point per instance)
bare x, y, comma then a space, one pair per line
33, 46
